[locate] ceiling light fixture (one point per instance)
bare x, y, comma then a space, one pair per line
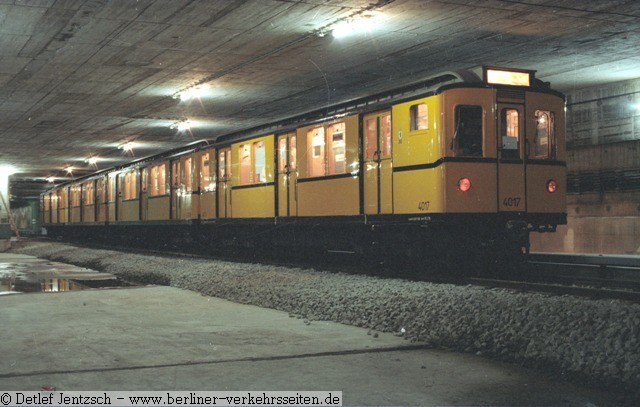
69, 169
126, 146
193, 92
182, 125
356, 24
342, 29
6, 169
93, 160
50, 180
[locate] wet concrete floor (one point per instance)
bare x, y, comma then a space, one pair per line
164, 338
25, 274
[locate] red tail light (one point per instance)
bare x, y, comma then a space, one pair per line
464, 184
552, 185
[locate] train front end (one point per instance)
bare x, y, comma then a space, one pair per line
503, 148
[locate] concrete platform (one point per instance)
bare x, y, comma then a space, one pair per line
163, 338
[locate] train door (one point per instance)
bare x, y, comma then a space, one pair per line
511, 166
208, 184
112, 201
224, 183
287, 175
377, 163
101, 200
54, 207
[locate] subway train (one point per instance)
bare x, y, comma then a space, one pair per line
455, 169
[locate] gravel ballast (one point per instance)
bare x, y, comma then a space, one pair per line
595, 342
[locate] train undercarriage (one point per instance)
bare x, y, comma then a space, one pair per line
459, 245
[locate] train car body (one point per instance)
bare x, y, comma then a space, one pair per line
459, 166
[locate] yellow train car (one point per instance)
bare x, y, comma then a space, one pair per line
465, 162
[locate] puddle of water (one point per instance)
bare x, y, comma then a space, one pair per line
16, 279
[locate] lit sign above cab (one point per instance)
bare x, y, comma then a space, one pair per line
512, 77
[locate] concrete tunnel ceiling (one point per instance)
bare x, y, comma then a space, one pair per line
78, 79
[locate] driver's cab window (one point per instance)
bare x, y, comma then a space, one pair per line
467, 136
510, 135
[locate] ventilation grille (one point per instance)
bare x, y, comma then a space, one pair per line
603, 181
511, 94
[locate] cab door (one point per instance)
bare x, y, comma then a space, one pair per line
224, 183
287, 175
377, 163
511, 166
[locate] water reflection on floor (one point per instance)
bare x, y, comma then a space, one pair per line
26, 274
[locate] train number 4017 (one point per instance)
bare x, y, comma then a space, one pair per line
511, 202
424, 205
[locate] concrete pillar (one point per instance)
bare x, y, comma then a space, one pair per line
4, 190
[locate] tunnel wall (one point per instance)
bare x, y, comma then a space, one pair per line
603, 163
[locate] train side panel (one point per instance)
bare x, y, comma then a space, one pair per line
328, 167
159, 199
253, 175
128, 196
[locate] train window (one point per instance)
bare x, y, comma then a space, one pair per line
467, 137
259, 162
62, 198
222, 173
315, 147
545, 138
112, 187
100, 191
292, 153
385, 134
187, 176
144, 179
419, 117
371, 138
207, 182
75, 195
510, 133
337, 158
282, 154
175, 173
88, 196
244, 153
130, 190
158, 180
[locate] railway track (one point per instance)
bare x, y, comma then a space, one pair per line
586, 275
590, 276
